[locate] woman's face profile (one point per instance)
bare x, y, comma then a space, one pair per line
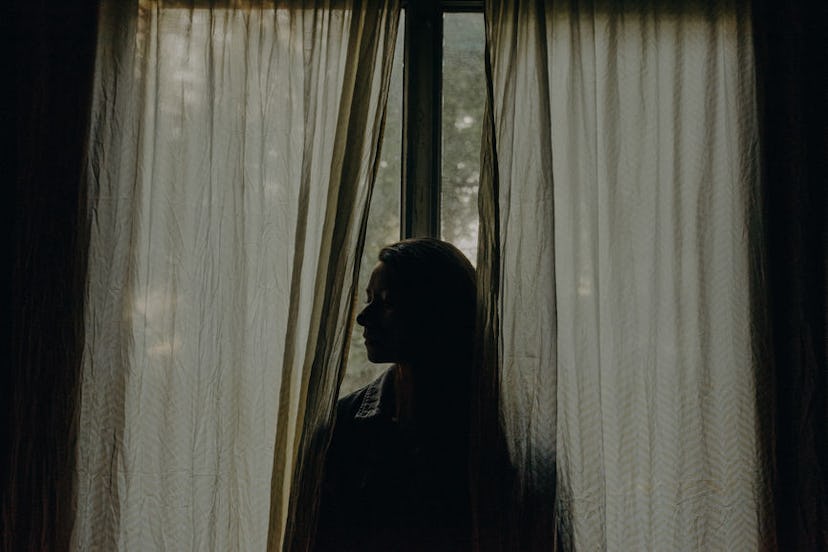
383, 319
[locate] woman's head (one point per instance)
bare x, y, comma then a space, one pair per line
420, 303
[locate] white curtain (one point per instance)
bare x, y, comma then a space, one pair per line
232, 152
620, 200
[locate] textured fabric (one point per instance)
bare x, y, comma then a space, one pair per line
622, 184
231, 158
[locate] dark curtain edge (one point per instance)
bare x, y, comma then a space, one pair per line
53, 57
790, 51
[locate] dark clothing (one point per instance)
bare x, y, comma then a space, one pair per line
391, 488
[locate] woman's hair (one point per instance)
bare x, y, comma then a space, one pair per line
439, 288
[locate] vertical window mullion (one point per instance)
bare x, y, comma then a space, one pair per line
422, 87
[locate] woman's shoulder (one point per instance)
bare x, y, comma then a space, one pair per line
347, 406
352, 429
367, 402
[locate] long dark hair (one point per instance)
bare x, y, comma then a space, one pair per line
440, 291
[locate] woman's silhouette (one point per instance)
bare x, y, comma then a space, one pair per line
396, 475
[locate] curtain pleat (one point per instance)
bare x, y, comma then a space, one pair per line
516, 278
625, 182
232, 153
354, 161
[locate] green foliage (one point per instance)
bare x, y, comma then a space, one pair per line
464, 98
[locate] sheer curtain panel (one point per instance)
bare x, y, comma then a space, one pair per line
232, 153
620, 200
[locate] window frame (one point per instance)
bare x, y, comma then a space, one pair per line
421, 177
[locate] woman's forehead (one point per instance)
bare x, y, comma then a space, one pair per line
379, 277
385, 280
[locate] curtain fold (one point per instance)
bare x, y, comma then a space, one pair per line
625, 181
516, 278
233, 149
373, 32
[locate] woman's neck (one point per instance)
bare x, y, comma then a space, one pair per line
417, 388
430, 403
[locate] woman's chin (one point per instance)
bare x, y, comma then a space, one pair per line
377, 355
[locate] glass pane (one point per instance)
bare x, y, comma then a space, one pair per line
464, 97
383, 220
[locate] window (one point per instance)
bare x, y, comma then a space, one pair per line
430, 158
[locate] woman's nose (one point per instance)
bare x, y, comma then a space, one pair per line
360, 319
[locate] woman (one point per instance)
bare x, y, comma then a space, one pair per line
396, 472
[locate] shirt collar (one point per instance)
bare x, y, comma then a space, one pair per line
378, 400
